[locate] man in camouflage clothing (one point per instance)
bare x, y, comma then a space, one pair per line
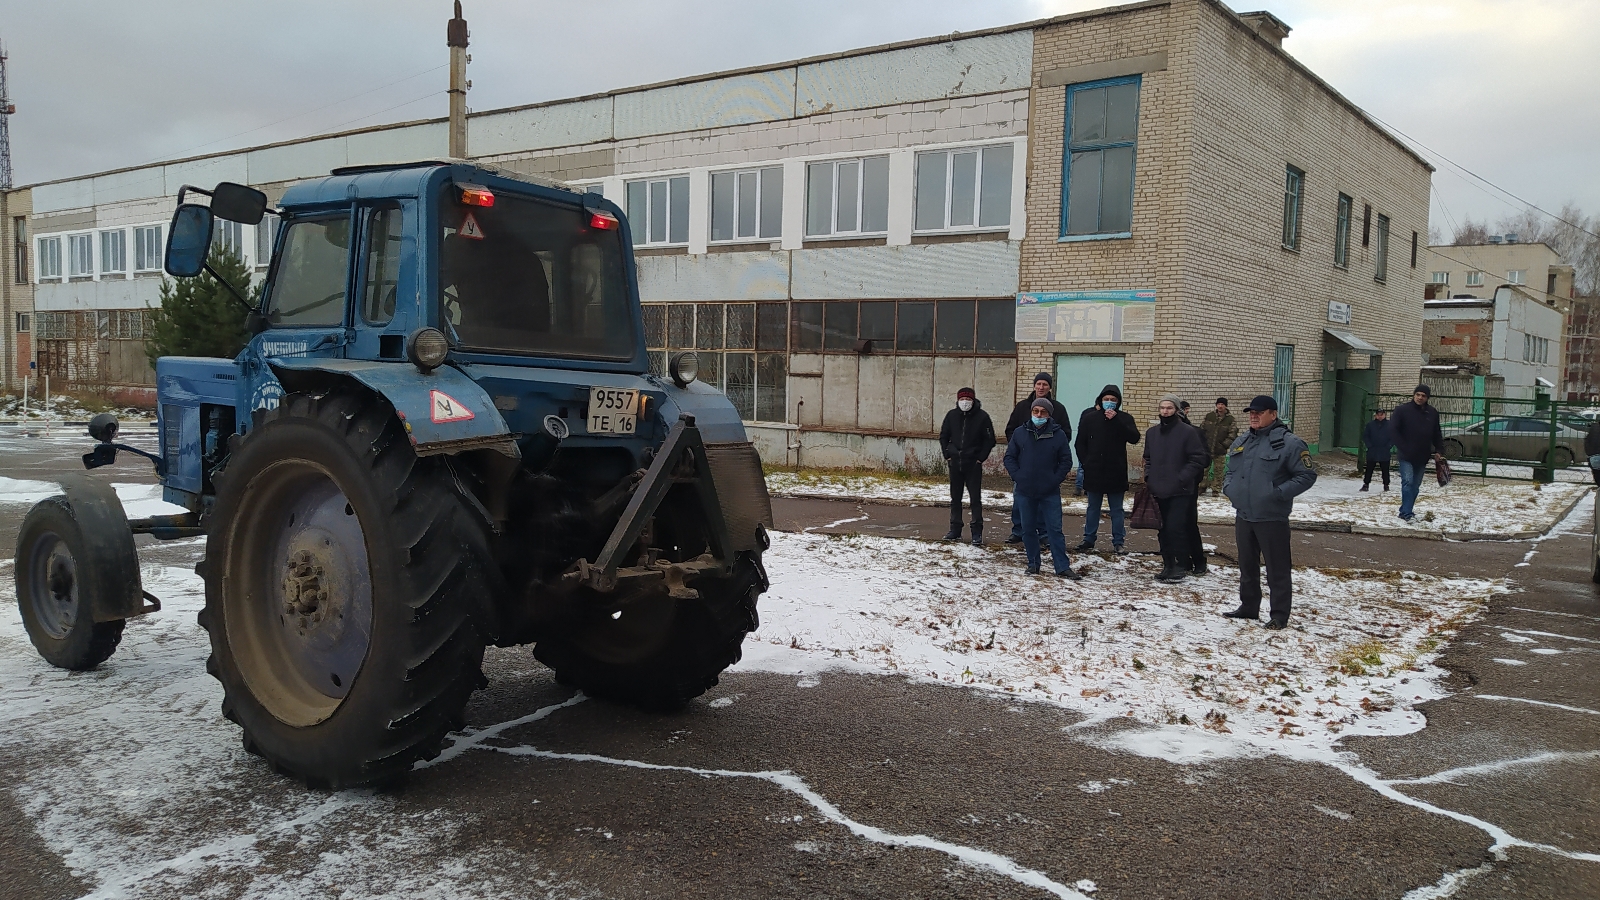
1219, 430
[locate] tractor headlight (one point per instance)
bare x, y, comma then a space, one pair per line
427, 348
685, 366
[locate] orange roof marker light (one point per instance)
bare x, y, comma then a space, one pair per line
475, 195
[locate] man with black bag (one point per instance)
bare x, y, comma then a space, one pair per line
1415, 430
966, 438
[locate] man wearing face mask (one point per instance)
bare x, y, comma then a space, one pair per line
966, 438
1043, 385
1038, 457
1174, 458
1104, 435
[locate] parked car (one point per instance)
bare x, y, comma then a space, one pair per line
1518, 438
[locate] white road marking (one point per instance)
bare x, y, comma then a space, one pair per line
1449, 884
1576, 709
1342, 816
475, 738
981, 859
1551, 634
1449, 776
860, 518
1551, 612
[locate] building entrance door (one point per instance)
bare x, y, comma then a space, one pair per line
1079, 377
1351, 390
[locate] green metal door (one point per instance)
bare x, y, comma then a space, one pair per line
1079, 378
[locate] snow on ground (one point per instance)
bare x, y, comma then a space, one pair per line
62, 407
138, 500
1117, 644
1468, 507
142, 788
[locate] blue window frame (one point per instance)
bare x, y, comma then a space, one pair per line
1102, 127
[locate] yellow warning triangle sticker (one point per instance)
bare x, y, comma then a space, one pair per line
446, 408
470, 228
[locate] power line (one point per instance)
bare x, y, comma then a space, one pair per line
1486, 181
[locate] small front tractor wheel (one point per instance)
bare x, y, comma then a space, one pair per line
340, 575
57, 581
657, 652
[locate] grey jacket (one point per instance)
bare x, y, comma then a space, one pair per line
1266, 471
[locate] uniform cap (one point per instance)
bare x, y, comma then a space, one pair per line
1262, 403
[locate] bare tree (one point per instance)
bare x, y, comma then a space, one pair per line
1470, 232
1570, 233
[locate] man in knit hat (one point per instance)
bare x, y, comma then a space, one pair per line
1174, 459
1414, 426
966, 439
1038, 457
1043, 386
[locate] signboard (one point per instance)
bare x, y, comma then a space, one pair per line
1086, 316
1338, 313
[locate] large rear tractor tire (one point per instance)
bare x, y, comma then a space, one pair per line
341, 572
661, 652
56, 583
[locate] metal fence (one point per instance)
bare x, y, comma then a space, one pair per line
1497, 437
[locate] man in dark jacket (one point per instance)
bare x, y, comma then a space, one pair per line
1379, 443
1415, 429
1104, 434
1043, 385
1174, 458
1220, 429
1191, 533
966, 439
1268, 466
1039, 456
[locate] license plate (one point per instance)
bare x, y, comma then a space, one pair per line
613, 411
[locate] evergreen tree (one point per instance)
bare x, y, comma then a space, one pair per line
198, 316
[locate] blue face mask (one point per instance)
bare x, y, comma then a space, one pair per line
1038, 421
1108, 404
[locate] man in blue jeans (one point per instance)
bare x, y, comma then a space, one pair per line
1038, 457
1415, 430
1104, 434
1043, 387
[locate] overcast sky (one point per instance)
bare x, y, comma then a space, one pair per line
1509, 89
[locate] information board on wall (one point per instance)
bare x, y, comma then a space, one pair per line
1064, 317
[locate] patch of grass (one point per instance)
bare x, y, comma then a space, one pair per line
1361, 658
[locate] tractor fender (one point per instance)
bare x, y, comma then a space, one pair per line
110, 569
443, 411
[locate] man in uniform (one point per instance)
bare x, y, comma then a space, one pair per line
1267, 467
1220, 430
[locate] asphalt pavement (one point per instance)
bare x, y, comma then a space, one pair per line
850, 785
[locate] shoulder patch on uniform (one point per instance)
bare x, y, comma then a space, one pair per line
1305, 458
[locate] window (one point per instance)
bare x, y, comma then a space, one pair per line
308, 286
1439, 278
1294, 188
1413, 249
1474, 279
1283, 379
1381, 273
847, 197
228, 237
747, 205
964, 188
1341, 232
658, 210
1366, 224
1102, 135
147, 250
113, 252
19, 239
1517, 276
80, 255
265, 231
915, 330
805, 326
23, 324
722, 335
50, 257
382, 285
1535, 350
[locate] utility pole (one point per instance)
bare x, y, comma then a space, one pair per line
456, 37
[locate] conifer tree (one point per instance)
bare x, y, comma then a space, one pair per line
200, 317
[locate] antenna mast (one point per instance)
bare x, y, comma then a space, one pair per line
6, 109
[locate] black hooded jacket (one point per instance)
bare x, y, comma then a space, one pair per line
1022, 414
967, 436
1102, 445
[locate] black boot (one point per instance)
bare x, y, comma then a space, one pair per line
954, 534
977, 536
1085, 547
1242, 613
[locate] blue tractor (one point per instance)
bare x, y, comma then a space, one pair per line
444, 433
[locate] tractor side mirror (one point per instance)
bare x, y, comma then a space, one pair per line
104, 428
237, 203
188, 240
255, 322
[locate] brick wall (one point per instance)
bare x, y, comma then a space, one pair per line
1217, 128
1458, 342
